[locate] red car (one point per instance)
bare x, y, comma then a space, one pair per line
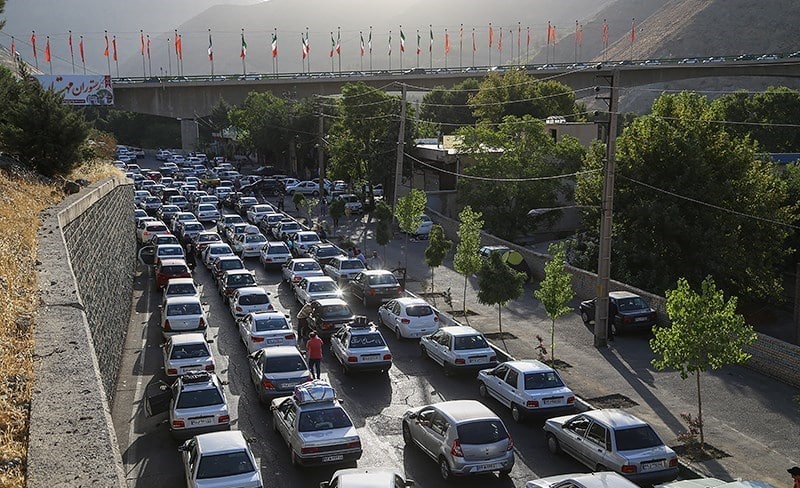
167, 269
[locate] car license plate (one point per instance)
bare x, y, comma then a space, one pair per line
186, 369
489, 467
551, 401
285, 386
653, 466
273, 341
333, 459
371, 357
477, 360
201, 421
641, 319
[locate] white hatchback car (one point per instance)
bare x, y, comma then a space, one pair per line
214, 251
266, 329
249, 299
409, 317
185, 353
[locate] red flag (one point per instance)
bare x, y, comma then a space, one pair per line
148, 46
180, 47
13, 49
141, 36
114, 45
529, 37
70, 42
555, 40
549, 32
33, 43
580, 35
500, 41
176, 42
605, 32
633, 30
80, 48
105, 53
47, 50
446, 42
491, 34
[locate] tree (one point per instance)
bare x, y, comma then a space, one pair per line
438, 247
705, 333
449, 107
383, 233
409, 211
671, 160
467, 261
517, 148
262, 121
555, 291
498, 284
779, 106
2, 9
37, 128
336, 210
298, 199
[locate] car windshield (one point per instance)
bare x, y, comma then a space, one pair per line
184, 309
336, 311
366, 340
640, 437
382, 279
419, 311
199, 398
174, 269
255, 299
209, 238
278, 250
222, 465
284, 364
186, 351
193, 228
321, 286
265, 325
323, 419
540, 381
181, 289
289, 227
352, 264
482, 432
206, 208
630, 304
233, 219
470, 342
310, 266
309, 238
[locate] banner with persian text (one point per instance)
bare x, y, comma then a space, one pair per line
80, 89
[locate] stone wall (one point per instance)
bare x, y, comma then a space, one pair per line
770, 356
87, 258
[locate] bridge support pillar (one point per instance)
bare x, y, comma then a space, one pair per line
190, 135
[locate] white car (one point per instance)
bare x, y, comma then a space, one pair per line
169, 251
147, 229
529, 388
304, 187
286, 230
302, 242
601, 479
207, 212
201, 457
424, 229
198, 405
274, 253
249, 245
180, 287
186, 353
361, 347
266, 329
316, 288
214, 251
298, 268
458, 348
257, 212
342, 268
139, 195
409, 318
182, 217
182, 315
249, 299
226, 220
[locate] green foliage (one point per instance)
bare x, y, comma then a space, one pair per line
383, 234
438, 247
658, 237
705, 333
37, 129
263, 121
336, 209
141, 130
520, 148
537, 99
2, 8
382, 212
297, 200
555, 290
466, 260
773, 106
448, 108
409, 209
498, 284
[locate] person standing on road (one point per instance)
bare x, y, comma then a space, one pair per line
374, 261
190, 256
795, 472
302, 319
314, 352
360, 256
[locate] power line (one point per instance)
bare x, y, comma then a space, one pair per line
496, 124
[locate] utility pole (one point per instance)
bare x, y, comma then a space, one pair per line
321, 158
398, 169
607, 208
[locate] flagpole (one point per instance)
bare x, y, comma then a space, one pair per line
576, 41
14, 53
430, 47
144, 68
71, 53
418, 49
180, 53
308, 52
108, 55
519, 43
35, 57
83, 59
490, 44
390, 50
244, 55
402, 48
116, 58
333, 46
339, 47
473, 47
47, 52
169, 58
446, 40
275, 52
210, 54
361, 56
302, 54
633, 36
528, 45
370, 48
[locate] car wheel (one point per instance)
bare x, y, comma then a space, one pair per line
517, 414
444, 469
407, 435
504, 473
397, 334
315, 193
585, 317
552, 444
482, 390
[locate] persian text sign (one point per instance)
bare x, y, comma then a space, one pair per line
80, 89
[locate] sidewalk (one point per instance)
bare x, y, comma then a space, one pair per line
754, 419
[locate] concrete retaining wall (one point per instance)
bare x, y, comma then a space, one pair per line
771, 356
87, 256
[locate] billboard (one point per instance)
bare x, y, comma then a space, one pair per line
80, 89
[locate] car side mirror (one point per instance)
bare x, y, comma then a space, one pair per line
324, 484
410, 483
183, 448
412, 416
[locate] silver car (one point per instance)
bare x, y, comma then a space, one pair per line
361, 347
221, 460
458, 348
612, 439
275, 371
268, 329
182, 315
274, 253
316, 288
603, 479
198, 406
185, 353
463, 436
299, 268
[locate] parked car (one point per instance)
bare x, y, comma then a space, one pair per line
324, 252
146, 230
180, 287
266, 329
225, 263
251, 299
232, 280
626, 311
169, 269
269, 221
359, 346
372, 477
167, 212
226, 220
186, 353
188, 230
463, 436
275, 371
201, 456
612, 439
204, 239
257, 212
285, 230
304, 187
458, 348
249, 244
302, 241
374, 287
409, 318
198, 406
274, 253
207, 212
529, 388
213, 251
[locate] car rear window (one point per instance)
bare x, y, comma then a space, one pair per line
199, 398
222, 465
255, 239
306, 266
629, 304
209, 238
289, 227
174, 269
327, 252
193, 228
265, 325
634, 438
336, 311
482, 432
157, 228
321, 286
181, 289
231, 264
284, 364
278, 250
253, 299
184, 309
220, 250
323, 419
170, 251
540, 381
382, 279
309, 238
366, 340
188, 351
352, 264
241, 279
470, 342
419, 311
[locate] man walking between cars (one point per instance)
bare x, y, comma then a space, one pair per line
314, 352
795, 472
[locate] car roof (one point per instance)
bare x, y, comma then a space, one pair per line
460, 330
180, 281
192, 338
408, 301
268, 315
307, 233
330, 301
183, 299
304, 260
461, 410
695, 483
529, 366
622, 294
251, 290
172, 262
365, 478
615, 417
319, 278
281, 351
225, 441
231, 272
375, 272
603, 479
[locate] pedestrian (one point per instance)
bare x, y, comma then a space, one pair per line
323, 236
281, 197
795, 472
190, 256
375, 262
612, 312
302, 319
360, 256
314, 352
323, 207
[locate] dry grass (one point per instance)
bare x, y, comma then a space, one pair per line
21, 202
95, 171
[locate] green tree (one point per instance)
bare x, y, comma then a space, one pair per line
383, 233
705, 333
438, 247
449, 108
518, 93
408, 212
555, 291
336, 210
767, 117
298, 199
668, 162
262, 121
2, 9
466, 260
519, 148
498, 284
37, 129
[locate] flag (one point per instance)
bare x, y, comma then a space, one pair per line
80, 48
114, 45
105, 53
275, 44
605, 32
549, 32
362, 43
369, 41
180, 47
339, 42
528, 44
243, 53
446, 42
141, 37
33, 43
461, 33
333, 46
430, 48
69, 41
210, 49
519, 36
500, 41
402, 41
474, 47
176, 42
580, 35
390, 43
419, 38
47, 50
148, 46
633, 30
555, 40
491, 34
